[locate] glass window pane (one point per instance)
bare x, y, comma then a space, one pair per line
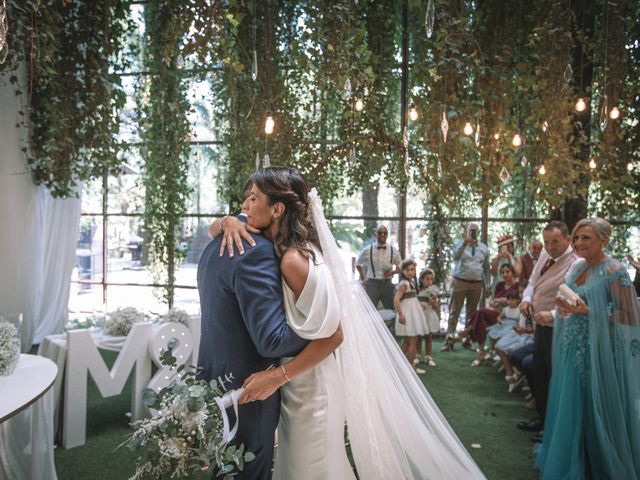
147, 299
205, 165
91, 200
125, 244
126, 190
89, 249
187, 299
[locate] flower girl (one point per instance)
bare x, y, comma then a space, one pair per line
428, 297
410, 320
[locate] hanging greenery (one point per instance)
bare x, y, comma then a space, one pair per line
72, 94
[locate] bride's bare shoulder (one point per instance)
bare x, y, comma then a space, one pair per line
295, 269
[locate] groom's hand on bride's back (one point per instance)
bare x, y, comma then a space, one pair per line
233, 231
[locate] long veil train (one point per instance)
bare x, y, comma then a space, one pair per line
395, 428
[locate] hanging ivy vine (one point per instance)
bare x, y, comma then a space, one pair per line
72, 94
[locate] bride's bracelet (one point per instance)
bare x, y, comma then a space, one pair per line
284, 372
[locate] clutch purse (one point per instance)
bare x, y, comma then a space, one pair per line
567, 295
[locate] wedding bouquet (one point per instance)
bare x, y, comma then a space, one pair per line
175, 315
430, 293
185, 438
120, 321
9, 348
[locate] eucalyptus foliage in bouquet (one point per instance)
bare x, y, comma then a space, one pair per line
9, 348
120, 321
184, 440
175, 315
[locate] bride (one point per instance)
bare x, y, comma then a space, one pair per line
395, 429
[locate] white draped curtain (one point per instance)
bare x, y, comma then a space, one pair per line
38, 234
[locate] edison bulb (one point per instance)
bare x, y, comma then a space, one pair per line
581, 105
542, 170
496, 136
592, 164
629, 167
545, 126
269, 124
468, 129
614, 114
359, 105
517, 140
413, 114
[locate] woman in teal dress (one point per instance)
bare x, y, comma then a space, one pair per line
592, 426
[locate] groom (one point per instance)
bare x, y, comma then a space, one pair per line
243, 332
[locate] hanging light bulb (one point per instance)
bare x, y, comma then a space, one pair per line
545, 126
542, 170
560, 190
592, 164
359, 105
614, 114
517, 140
269, 124
468, 129
413, 113
496, 136
524, 161
580, 105
629, 167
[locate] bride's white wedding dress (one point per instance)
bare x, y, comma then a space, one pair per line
312, 417
395, 429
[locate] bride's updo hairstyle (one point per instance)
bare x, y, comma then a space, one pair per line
288, 186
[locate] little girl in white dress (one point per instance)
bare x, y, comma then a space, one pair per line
410, 320
428, 298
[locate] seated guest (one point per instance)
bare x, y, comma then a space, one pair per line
522, 359
525, 263
505, 255
516, 337
484, 317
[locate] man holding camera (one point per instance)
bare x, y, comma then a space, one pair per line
471, 273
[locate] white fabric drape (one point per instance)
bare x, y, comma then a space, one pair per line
37, 237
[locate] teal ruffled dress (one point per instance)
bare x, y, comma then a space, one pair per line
592, 426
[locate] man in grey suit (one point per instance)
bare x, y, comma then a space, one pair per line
243, 332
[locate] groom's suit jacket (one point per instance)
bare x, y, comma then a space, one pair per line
244, 331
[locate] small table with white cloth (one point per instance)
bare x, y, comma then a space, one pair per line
26, 420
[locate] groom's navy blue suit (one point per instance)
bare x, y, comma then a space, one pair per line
244, 331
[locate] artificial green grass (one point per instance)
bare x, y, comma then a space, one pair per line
475, 401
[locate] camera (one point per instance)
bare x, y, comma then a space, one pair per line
473, 233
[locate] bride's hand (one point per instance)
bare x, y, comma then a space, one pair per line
261, 385
233, 231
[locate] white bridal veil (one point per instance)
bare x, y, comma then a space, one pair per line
395, 428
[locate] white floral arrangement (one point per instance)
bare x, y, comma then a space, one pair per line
9, 348
184, 440
120, 321
430, 293
175, 315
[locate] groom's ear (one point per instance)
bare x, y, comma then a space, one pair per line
278, 209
